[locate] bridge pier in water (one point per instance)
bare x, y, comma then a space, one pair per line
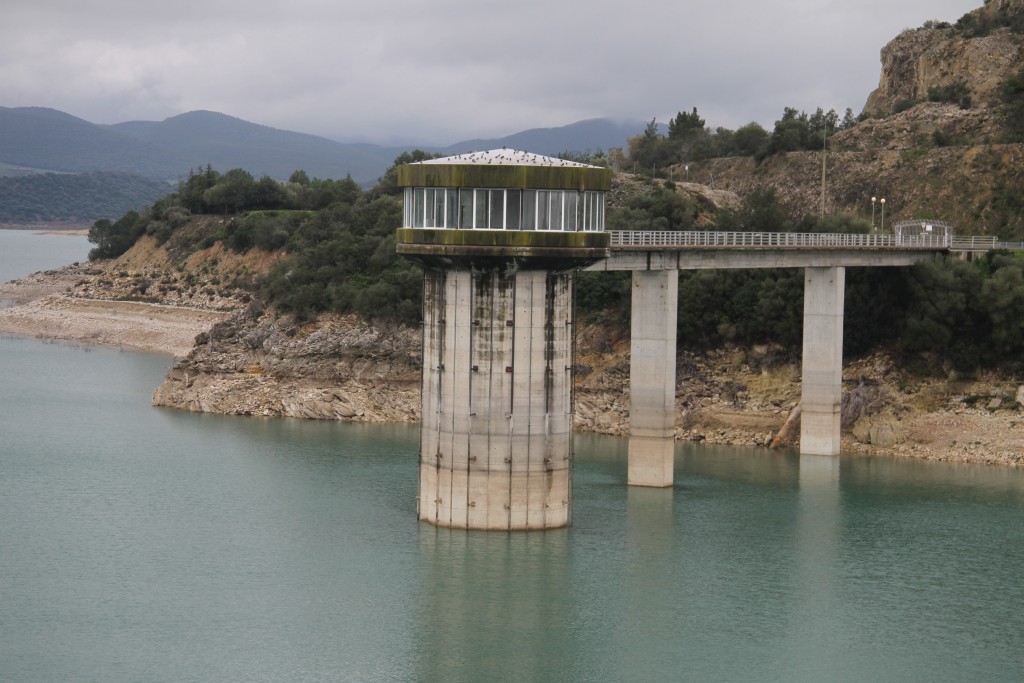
652, 377
822, 367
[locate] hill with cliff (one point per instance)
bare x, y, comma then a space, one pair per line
941, 136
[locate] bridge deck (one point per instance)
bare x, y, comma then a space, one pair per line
696, 250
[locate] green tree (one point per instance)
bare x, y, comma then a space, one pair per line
114, 239
685, 126
762, 210
751, 139
1003, 298
650, 152
941, 315
232, 193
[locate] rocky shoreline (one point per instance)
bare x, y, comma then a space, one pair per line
234, 358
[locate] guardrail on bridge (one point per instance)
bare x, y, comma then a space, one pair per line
794, 240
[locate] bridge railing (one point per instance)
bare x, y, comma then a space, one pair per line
796, 240
972, 243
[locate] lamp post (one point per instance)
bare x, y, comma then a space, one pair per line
873, 200
882, 201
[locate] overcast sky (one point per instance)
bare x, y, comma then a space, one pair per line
440, 71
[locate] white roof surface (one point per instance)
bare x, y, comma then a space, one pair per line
504, 157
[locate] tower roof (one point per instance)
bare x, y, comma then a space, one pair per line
504, 157
504, 168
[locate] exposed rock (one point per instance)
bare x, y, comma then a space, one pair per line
861, 431
262, 365
924, 58
883, 435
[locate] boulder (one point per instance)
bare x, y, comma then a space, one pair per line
883, 435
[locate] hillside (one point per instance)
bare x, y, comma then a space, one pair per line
74, 198
936, 138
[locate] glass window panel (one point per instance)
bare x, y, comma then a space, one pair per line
555, 209
418, 199
439, 198
513, 198
407, 207
529, 210
570, 210
599, 212
452, 218
497, 210
428, 208
542, 209
480, 221
466, 210
590, 203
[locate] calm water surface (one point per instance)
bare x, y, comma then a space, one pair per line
25, 251
143, 544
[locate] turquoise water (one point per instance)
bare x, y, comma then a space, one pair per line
143, 544
24, 251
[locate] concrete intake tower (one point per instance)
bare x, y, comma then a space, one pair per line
500, 235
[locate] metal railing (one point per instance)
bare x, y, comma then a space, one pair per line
792, 240
972, 243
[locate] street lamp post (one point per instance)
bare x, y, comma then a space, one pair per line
873, 200
882, 201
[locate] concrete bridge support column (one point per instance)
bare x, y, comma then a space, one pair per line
496, 431
824, 290
652, 377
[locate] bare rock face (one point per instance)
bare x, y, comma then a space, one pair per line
924, 58
339, 368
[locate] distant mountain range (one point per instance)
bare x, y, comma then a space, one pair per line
36, 139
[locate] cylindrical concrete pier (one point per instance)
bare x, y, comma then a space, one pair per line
496, 447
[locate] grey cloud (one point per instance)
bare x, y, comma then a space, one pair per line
448, 69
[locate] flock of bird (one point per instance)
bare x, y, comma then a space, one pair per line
501, 157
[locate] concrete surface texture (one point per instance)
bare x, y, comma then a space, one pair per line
822, 381
652, 377
496, 440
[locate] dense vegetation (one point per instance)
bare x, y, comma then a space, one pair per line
689, 139
339, 239
65, 197
979, 24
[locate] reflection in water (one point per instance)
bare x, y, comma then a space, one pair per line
817, 564
748, 465
492, 605
649, 580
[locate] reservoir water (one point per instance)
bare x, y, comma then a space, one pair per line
143, 544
